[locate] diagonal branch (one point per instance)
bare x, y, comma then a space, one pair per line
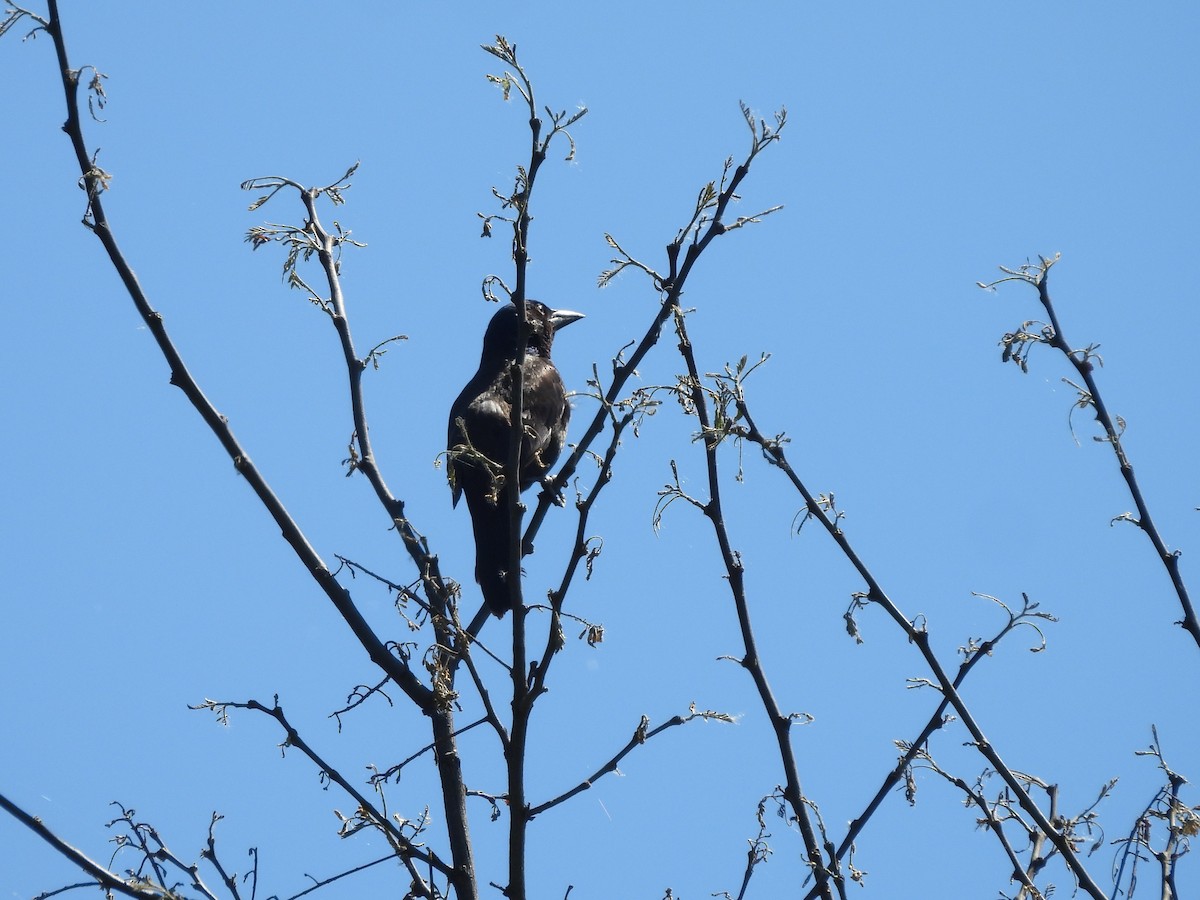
994, 820
918, 636
580, 552
1038, 276
93, 182
104, 878
913, 749
641, 734
705, 226
405, 848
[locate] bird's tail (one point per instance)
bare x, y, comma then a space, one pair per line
491, 524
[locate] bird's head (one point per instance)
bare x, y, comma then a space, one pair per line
501, 335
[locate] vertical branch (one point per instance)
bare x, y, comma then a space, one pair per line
781, 724
522, 695
314, 238
454, 802
441, 710
1166, 810
515, 749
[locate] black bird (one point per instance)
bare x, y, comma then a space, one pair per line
481, 423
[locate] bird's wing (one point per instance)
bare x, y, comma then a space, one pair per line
485, 410
545, 412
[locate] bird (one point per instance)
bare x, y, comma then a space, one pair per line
481, 425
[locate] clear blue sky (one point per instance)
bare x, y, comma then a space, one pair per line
926, 144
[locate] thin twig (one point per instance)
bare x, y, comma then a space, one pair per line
641, 734
318, 884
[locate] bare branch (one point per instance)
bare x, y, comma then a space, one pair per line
134, 887
405, 848
918, 635
1089, 397
641, 734
826, 871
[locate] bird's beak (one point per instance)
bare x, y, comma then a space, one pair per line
561, 318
